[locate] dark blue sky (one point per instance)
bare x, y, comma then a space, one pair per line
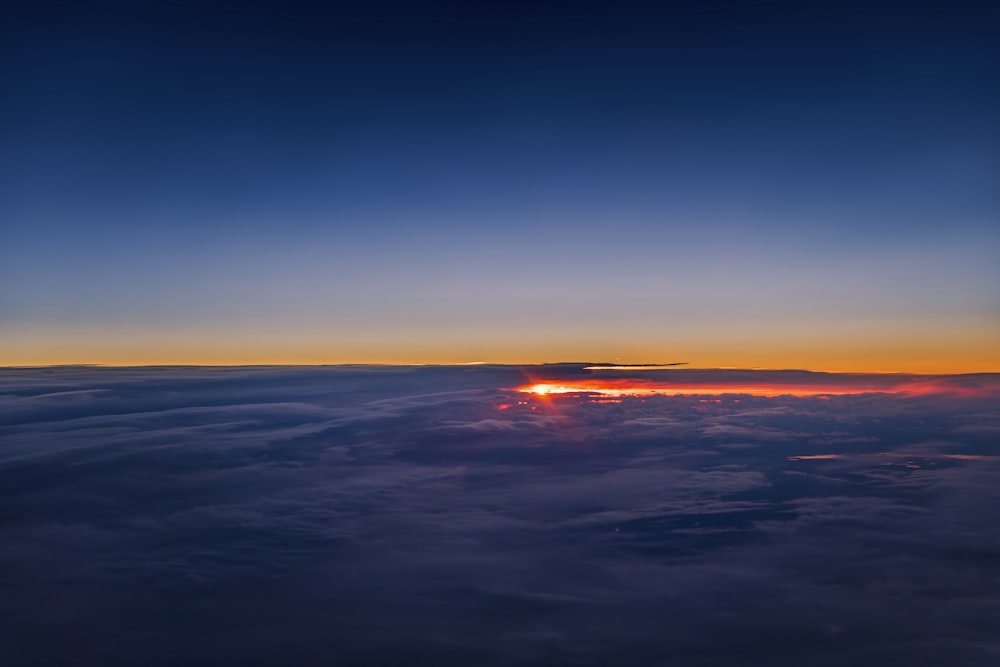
454, 181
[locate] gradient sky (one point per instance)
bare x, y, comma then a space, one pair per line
782, 184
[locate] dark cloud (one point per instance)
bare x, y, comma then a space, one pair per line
375, 516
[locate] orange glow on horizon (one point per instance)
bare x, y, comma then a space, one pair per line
954, 347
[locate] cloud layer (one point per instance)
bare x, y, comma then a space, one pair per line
378, 515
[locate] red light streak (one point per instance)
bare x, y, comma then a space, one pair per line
617, 388
631, 388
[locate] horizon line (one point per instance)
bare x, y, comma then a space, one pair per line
583, 365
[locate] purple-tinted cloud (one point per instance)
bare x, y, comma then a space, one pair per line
386, 516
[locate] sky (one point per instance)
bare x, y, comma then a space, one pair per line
779, 184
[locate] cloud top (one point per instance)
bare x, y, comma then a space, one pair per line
397, 515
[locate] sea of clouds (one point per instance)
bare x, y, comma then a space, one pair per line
434, 515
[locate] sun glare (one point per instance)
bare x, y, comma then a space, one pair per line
619, 388
649, 389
